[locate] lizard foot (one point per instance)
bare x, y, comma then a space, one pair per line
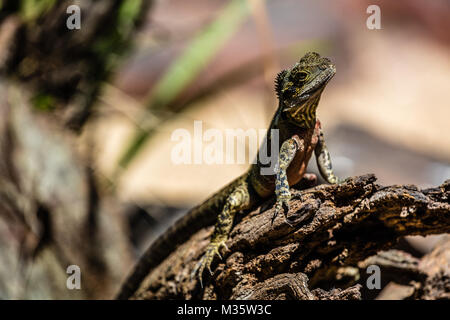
205, 262
282, 204
339, 180
342, 180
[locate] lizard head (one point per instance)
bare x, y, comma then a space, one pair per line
300, 87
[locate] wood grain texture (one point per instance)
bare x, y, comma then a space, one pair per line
334, 227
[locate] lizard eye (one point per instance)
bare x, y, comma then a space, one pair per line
302, 76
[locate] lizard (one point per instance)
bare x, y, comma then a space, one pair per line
298, 89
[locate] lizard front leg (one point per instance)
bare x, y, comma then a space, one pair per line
323, 160
237, 201
287, 153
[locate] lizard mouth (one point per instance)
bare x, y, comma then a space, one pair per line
312, 91
295, 101
305, 99
319, 83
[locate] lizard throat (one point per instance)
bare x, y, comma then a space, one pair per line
305, 115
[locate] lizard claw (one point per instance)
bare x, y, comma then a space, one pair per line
336, 180
210, 271
205, 262
342, 180
282, 204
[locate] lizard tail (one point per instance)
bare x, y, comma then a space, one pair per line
197, 218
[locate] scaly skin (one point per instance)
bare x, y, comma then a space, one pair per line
299, 90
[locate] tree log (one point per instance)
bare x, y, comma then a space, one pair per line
314, 255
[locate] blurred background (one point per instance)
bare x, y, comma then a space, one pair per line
87, 116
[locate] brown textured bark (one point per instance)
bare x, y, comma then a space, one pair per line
332, 229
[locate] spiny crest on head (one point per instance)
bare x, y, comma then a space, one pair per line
279, 82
